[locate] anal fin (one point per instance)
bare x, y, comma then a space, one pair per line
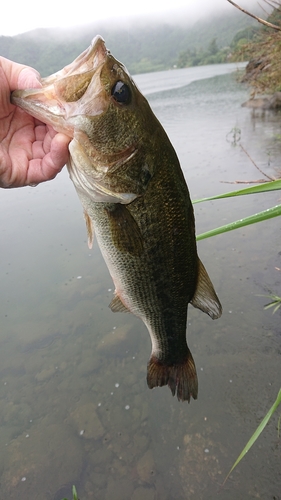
116, 305
205, 297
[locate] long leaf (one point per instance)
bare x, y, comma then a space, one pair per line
74, 494
252, 219
257, 432
261, 188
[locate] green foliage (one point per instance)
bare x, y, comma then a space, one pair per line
199, 57
145, 65
74, 494
216, 46
274, 17
213, 47
243, 37
252, 219
260, 188
256, 433
275, 302
264, 52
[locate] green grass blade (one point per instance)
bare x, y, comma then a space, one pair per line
74, 494
260, 188
272, 304
252, 219
276, 308
256, 433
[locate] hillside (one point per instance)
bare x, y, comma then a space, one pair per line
263, 72
142, 47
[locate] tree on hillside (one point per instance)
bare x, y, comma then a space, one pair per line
213, 47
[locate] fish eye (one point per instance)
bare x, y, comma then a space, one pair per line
121, 93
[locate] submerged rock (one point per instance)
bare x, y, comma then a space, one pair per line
37, 464
201, 464
45, 374
144, 493
146, 467
271, 103
115, 342
87, 422
119, 489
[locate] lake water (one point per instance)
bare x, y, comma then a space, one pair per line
75, 407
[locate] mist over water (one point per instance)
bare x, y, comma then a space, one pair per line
75, 407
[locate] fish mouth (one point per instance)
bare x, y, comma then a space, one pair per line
63, 94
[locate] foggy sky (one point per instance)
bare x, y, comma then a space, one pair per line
31, 14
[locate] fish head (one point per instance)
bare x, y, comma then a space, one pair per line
95, 101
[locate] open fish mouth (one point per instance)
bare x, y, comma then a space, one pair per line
69, 101
56, 103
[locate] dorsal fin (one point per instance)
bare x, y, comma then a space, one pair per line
205, 297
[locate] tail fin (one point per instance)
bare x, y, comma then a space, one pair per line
181, 378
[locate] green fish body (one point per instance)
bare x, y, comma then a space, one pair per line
135, 201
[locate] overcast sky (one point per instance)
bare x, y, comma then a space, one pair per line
26, 15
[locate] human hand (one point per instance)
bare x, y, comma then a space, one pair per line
30, 151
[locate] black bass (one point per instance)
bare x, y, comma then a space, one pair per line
135, 200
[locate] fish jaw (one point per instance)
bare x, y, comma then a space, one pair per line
64, 95
43, 105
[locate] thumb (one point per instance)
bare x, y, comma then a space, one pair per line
19, 76
29, 78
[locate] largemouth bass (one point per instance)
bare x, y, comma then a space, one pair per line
136, 201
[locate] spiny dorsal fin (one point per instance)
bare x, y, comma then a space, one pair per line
205, 297
90, 229
116, 305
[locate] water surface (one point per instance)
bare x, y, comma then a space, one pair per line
75, 408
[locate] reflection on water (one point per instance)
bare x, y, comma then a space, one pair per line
75, 408
170, 80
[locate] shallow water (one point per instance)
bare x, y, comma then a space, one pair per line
75, 408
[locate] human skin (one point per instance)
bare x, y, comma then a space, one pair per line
31, 152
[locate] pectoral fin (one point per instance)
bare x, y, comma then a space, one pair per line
125, 231
205, 297
90, 229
